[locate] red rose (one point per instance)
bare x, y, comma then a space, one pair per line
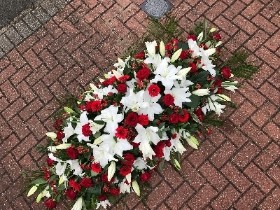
168, 100
225, 71
122, 88
192, 36
218, 83
193, 67
124, 78
72, 153
75, 185
102, 197
168, 143
86, 130
217, 36
125, 170
114, 191
47, 174
50, 203
50, 162
128, 159
86, 182
140, 55
60, 135
121, 132
184, 54
158, 149
198, 112
174, 118
93, 106
71, 194
184, 116
153, 90
109, 81
57, 124
145, 176
143, 73
143, 119
95, 167
131, 119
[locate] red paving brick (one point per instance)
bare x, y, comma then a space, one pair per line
237, 167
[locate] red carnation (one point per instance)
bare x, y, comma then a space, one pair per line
75, 185
217, 36
72, 153
145, 176
71, 194
47, 174
124, 78
158, 149
86, 130
86, 182
193, 67
128, 159
174, 118
122, 88
131, 119
168, 47
143, 119
50, 162
168, 143
104, 178
174, 41
153, 90
109, 81
143, 73
102, 197
192, 36
95, 167
50, 203
125, 170
121, 132
184, 116
140, 55
93, 106
184, 54
198, 112
114, 191
60, 135
168, 100
57, 124
226, 73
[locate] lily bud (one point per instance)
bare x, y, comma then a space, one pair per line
51, 135
63, 146
162, 49
192, 141
201, 92
135, 187
68, 110
176, 55
32, 190
111, 170
212, 30
78, 205
224, 97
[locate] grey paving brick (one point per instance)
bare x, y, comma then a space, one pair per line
5, 44
23, 29
32, 22
41, 15
50, 7
2, 53
61, 3
14, 36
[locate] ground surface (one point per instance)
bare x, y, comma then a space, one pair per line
235, 168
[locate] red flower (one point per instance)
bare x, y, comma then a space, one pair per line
50, 203
174, 41
168, 143
86, 130
50, 162
60, 135
104, 178
145, 176
193, 67
225, 71
86, 182
102, 197
93, 106
218, 83
140, 55
122, 88
95, 167
124, 78
109, 81
174, 118
168, 100
47, 174
143, 119
158, 149
217, 36
128, 159
168, 47
153, 90
121, 132
125, 170
114, 191
143, 73
198, 112
131, 119
72, 153
192, 36
57, 124
71, 194
184, 54
184, 117
75, 185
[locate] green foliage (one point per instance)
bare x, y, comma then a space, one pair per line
67, 100
212, 120
239, 65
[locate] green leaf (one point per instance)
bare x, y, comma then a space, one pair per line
200, 77
96, 190
38, 181
68, 110
195, 100
161, 165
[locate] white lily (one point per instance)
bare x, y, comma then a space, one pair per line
183, 72
180, 95
151, 48
63, 146
139, 164
111, 170
155, 60
124, 186
51, 135
78, 130
68, 131
213, 105
79, 204
134, 101
104, 204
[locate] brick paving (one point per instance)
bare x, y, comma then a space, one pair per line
237, 167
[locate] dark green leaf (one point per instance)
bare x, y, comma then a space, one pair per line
195, 100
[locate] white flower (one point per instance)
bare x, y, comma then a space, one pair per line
180, 95
134, 101
162, 48
155, 60
68, 131
111, 170
75, 165
230, 85
176, 55
151, 48
104, 204
135, 187
124, 186
79, 128
166, 73
51, 135
213, 105
60, 168
63, 146
139, 164
111, 117
194, 48
79, 204
183, 73
201, 92
206, 62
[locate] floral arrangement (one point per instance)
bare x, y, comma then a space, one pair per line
144, 111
